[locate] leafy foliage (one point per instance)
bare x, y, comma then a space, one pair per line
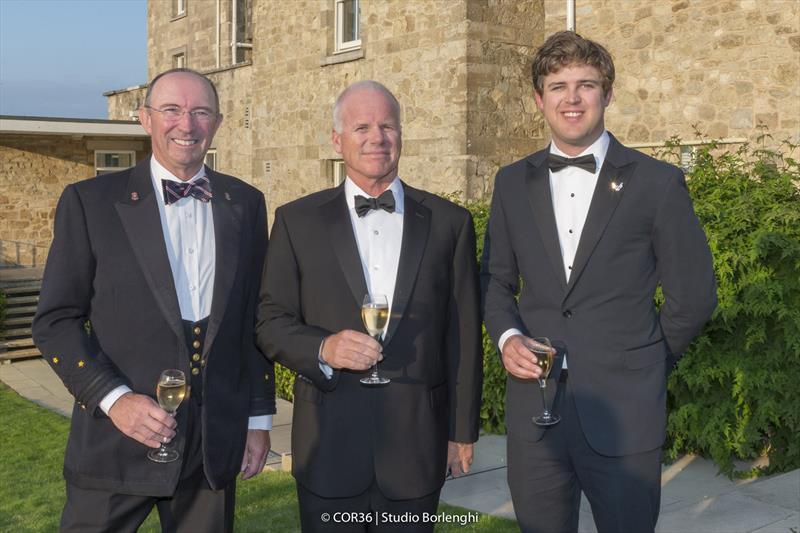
735, 392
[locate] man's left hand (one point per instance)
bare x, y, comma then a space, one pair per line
255, 452
459, 457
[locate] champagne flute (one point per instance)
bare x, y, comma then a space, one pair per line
375, 315
544, 358
170, 391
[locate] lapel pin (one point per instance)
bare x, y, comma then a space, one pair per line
227, 196
616, 187
134, 196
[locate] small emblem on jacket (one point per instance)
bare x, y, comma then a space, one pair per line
227, 196
134, 196
616, 187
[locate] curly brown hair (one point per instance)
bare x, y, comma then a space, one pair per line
567, 48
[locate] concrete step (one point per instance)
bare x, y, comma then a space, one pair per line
18, 332
22, 299
20, 354
17, 311
22, 289
17, 343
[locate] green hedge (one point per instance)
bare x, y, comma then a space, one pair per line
736, 393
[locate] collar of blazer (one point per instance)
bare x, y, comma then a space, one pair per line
416, 229
617, 169
138, 212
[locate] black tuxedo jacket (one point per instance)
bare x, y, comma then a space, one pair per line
346, 434
108, 264
640, 231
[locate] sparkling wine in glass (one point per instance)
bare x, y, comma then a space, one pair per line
544, 357
170, 391
375, 315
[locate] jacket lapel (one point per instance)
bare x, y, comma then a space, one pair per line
343, 241
541, 200
416, 228
138, 212
614, 179
227, 212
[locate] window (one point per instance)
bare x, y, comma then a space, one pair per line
241, 23
211, 159
178, 8
339, 172
348, 36
179, 60
106, 161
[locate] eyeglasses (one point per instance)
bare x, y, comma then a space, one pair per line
173, 114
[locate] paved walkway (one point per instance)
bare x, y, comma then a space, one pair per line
694, 499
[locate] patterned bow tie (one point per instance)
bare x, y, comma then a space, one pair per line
586, 162
385, 201
199, 189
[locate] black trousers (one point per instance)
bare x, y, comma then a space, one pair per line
194, 507
369, 511
547, 477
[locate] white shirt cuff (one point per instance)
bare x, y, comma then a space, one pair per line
504, 337
323, 366
109, 399
260, 422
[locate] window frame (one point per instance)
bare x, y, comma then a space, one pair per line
105, 170
212, 152
341, 46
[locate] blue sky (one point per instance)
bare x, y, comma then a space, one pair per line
57, 57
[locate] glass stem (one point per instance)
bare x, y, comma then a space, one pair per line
542, 386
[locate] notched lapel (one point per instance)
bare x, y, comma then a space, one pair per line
416, 228
227, 212
343, 241
139, 215
611, 185
541, 200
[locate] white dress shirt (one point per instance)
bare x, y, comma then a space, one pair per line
379, 236
571, 191
188, 229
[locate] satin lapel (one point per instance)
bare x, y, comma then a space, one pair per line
416, 228
541, 200
614, 180
343, 240
138, 212
227, 210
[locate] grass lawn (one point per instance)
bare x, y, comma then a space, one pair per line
32, 441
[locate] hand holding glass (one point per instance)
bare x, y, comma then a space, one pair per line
170, 391
544, 358
375, 315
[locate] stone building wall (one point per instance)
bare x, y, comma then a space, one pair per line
122, 102
34, 169
725, 65
503, 123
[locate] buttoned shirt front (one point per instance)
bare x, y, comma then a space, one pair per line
571, 191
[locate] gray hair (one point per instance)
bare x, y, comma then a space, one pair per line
358, 86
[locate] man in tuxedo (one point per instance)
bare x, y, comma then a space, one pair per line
157, 267
359, 448
580, 235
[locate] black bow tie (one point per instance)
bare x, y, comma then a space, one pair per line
200, 189
586, 162
385, 201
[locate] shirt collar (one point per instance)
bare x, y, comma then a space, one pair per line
598, 149
158, 172
351, 190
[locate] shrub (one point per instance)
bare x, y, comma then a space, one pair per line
735, 393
